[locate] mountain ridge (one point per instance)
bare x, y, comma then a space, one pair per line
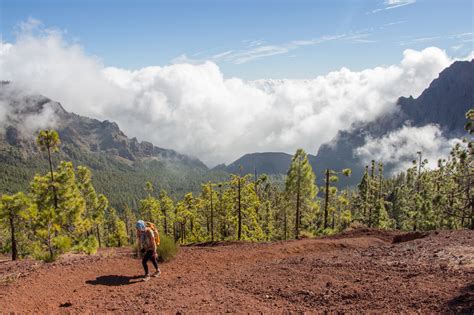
444, 103
120, 165
90, 134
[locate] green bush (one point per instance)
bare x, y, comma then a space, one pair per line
167, 249
306, 234
39, 253
44, 256
88, 245
356, 225
62, 244
329, 231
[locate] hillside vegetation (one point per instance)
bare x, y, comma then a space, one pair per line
62, 209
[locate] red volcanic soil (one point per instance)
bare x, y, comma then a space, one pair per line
358, 271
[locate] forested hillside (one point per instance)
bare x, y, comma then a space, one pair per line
121, 165
83, 187
62, 210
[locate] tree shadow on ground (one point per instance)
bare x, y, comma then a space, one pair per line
464, 302
114, 280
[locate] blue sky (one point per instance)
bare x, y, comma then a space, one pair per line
252, 39
144, 65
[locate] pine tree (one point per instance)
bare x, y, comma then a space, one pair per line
167, 210
300, 186
129, 219
48, 140
95, 204
71, 204
269, 197
116, 230
225, 210
237, 181
102, 206
150, 206
57, 214
13, 212
331, 191
188, 223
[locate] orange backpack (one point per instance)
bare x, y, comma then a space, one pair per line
156, 235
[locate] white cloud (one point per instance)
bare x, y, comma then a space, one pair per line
13, 106
398, 2
256, 50
393, 23
461, 38
399, 148
393, 4
194, 109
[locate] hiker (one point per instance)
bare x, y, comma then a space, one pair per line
147, 247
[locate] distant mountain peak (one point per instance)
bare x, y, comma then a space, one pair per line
444, 103
86, 134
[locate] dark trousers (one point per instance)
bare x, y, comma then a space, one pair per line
149, 256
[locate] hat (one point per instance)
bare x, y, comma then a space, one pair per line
140, 225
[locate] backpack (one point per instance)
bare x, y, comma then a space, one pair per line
156, 235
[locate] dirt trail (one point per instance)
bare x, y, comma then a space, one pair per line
355, 272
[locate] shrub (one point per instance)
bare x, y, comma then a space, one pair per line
167, 249
306, 234
88, 245
327, 232
44, 256
62, 244
39, 253
356, 225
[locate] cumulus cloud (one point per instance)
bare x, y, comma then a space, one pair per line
194, 109
399, 148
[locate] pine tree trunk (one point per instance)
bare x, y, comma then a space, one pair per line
50, 247
176, 237
469, 197
472, 215
12, 229
183, 231
298, 196
370, 216
212, 218
333, 222
165, 223
326, 200
239, 231
98, 236
127, 229
55, 195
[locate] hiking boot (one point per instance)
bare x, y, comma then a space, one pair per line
146, 278
157, 273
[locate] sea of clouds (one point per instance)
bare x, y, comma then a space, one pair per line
196, 110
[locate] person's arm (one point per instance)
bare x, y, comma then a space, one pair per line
139, 246
152, 240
